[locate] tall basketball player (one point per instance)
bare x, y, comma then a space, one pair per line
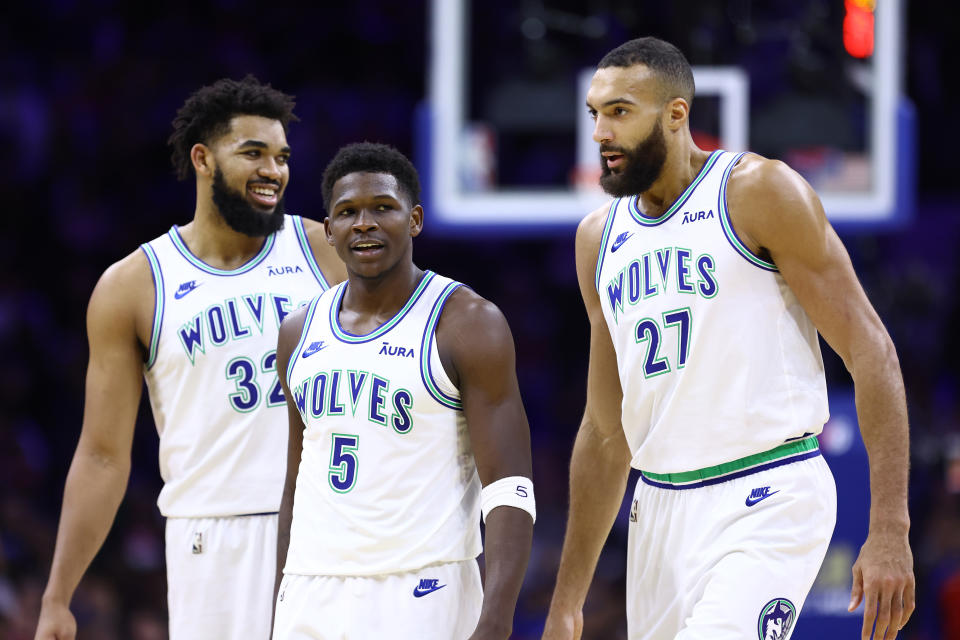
402, 401
196, 312
706, 281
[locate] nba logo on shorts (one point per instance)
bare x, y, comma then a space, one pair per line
776, 619
198, 542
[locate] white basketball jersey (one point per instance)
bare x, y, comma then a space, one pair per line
211, 372
387, 479
717, 359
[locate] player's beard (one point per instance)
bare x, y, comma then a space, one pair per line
240, 215
641, 167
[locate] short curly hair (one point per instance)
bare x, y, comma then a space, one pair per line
206, 114
371, 157
664, 59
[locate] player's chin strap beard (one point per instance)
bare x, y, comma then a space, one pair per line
240, 215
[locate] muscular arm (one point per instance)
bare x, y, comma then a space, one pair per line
601, 458
776, 210
476, 346
326, 256
100, 469
290, 332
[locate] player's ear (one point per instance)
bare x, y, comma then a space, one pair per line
326, 230
416, 221
678, 111
202, 158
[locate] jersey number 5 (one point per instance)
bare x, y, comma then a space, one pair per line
343, 462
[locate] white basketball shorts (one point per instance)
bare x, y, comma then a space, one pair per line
439, 602
731, 559
220, 577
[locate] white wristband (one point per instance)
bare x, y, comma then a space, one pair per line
513, 491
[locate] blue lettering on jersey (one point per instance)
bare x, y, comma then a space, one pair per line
685, 274
683, 270
649, 288
402, 352
282, 305
319, 390
237, 329
216, 325
615, 293
707, 283
378, 387
663, 261
279, 271
356, 380
689, 216
255, 305
402, 421
191, 337
300, 396
633, 284
319, 397
334, 408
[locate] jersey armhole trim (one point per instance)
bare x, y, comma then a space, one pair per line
307, 321
426, 349
308, 252
603, 240
728, 229
158, 300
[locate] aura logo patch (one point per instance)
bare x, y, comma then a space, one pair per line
776, 619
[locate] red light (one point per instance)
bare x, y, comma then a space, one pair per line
858, 28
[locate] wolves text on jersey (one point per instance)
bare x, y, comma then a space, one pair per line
231, 319
660, 271
327, 393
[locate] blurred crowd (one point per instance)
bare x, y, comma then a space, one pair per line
86, 97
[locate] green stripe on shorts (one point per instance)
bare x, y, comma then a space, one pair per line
707, 473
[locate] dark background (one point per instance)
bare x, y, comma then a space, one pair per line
87, 93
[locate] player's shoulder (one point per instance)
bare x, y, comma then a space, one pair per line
590, 228
472, 330
764, 181
770, 203
127, 277
466, 306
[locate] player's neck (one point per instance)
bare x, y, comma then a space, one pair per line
210, 238
376, 300
680, 169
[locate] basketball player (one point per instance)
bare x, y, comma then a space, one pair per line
403, 399
706, 280
196, 312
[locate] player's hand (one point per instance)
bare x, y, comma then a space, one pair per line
883, 576
563, 626
56, 622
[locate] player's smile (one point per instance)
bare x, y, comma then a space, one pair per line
265, 193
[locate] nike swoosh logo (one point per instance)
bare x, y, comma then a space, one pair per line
182, 292
752, 501
619, 242
313, 348
419, 593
